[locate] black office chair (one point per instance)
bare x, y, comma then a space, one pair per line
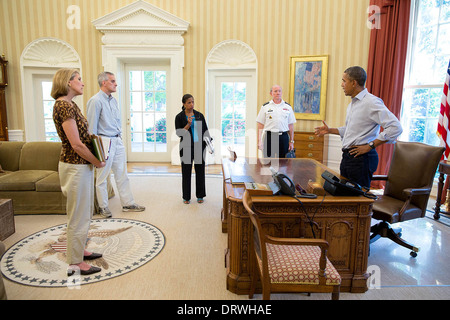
408, 187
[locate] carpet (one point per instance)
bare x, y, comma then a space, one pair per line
40, 259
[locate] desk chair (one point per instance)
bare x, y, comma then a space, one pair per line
290, 265
408, 187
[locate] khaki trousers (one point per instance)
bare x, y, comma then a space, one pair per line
117, 164
77, 184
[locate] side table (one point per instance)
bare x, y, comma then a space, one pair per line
443, 169
7, 227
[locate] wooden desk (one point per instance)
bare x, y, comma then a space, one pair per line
343, 221
443, 169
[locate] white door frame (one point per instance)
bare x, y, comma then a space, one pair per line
170, 114
116, 58
215, 77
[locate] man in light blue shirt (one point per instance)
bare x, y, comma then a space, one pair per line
103, 115
361, 133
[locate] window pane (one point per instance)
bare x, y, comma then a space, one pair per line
428, 12
417, 131
160, 122
161, 101
239, 110
240, 93
149, 122
419, 103
136, 122
445, 11
149, 80
227, 91
46, 90
135, 81
136, 101
48, 109
136, 142
431, 136
149, 101
160, 81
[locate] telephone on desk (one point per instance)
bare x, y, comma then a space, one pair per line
284, 185
342, 187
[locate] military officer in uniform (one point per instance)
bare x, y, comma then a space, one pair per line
276, 126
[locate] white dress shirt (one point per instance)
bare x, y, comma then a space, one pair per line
276, 117
365, 114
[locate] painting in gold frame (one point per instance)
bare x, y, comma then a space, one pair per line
308, 86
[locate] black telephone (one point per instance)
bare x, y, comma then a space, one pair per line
342, 187
283, 183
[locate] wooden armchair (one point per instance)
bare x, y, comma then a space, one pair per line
408, 187
290, 265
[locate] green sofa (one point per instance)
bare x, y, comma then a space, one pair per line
2, 285
30, 177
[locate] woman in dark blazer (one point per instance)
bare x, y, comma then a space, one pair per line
191, 127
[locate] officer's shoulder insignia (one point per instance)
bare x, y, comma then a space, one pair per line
265, 104
287, 104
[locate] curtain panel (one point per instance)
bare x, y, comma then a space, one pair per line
386, 67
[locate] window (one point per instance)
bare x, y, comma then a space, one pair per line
429, 56
148, 106
233, 106
48, 102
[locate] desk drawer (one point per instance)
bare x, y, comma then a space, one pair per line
308, 145
310, 154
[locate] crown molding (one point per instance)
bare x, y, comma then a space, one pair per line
140, 22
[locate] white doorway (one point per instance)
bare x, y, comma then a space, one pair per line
147, 101
232, 104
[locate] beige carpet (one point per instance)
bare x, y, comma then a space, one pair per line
191, 266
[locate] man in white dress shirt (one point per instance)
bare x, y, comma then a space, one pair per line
276, 124
361, 133
103, 115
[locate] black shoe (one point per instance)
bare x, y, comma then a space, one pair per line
90, 271
93, 256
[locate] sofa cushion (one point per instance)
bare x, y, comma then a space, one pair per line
10, 155
40, 155
23, 180
49, 183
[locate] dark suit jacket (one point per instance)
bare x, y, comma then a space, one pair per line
181, 122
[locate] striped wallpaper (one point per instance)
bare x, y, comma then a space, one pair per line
275, 29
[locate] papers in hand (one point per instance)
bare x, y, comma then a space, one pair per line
102, 146
209, 144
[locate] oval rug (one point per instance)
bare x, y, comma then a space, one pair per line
40, 259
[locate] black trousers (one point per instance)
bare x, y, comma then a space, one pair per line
186, 171
359, 169
276, 145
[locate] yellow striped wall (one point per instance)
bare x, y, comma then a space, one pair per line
275, 29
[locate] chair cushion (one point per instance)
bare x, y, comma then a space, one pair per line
298, 265
386, 208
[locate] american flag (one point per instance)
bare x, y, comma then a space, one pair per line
443, 130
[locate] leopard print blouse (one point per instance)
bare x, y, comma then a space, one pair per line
62, 111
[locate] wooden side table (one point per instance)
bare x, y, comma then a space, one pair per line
443, 169
7, 227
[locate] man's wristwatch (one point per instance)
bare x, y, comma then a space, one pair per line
371, 145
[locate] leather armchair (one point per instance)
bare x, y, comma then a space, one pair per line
408, 187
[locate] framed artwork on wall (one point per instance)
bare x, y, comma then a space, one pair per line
308, 86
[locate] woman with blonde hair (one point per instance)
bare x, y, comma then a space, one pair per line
76, 172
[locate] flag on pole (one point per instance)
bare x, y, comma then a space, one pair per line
443, 130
